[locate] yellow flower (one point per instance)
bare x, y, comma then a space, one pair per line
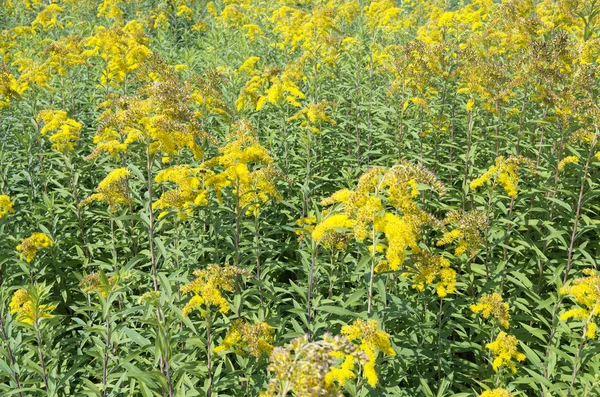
27, 305
331, 223
113, 189
429, 268
314, 115
470, 104
467, 232
257, 338
6, 206
492, 304
567, 160
369, 340
586, 292
188, 192
29, 246
98, 282
504, 349
504, 172
67, 130
237, 157
313, 368
496, 393
207, 287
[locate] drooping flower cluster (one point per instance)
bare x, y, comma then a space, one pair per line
326, 236
504, 172
99, 283
504, 349
207, 288
66, 130
492, 304
27, 305
370, 340
256, 338
6, 205
270, 85
122, 49
113, 190
29, 246
496, 393
567, 160
467, 230
586, 292
318, 368
313, 116
427, 268
187, 194
238, 159
383, 203
9, 86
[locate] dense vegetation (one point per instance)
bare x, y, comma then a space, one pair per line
302, 198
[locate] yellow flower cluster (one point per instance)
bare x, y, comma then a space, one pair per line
492, 304
468, 227
327, 235
33, 74
237, 158
187, 194
123, 49
313, 116
47, 18
567, 160
317, 369
9, 86
64, 54
496, 393
370, 340
586, 292
113, 189
332, 223
29, 246
504, 349
270, 85
365, 210
6, 206
109, 9
26, 304
504, 172
257, 338
67, 130
429, 268
98, 282
108, 140
207, 287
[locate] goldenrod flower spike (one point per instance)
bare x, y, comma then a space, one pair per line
27, 304
313, 368
504, 349
99, 283
257, 338
29, 246
492, 304
208, 287
370, 340
66, 130
504, 172
187, 194
113, 190
468, 227
586, 292
6, 205
496, 393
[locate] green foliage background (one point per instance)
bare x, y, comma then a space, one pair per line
440, 343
